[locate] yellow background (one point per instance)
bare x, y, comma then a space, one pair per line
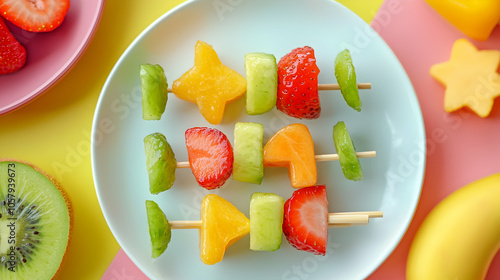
53, 131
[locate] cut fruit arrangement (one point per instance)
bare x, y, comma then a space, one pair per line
31, 16
292, 86
213, 160
303, 219
35, 220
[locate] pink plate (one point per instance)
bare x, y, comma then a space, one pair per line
49, 55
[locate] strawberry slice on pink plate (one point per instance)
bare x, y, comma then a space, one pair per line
50, 55
35, 16
12, 54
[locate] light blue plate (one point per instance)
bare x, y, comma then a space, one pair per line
390, 123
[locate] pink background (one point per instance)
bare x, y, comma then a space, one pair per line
461, 147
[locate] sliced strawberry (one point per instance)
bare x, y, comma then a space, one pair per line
305, 221
210, 156
12, 53
298, 84
35, 15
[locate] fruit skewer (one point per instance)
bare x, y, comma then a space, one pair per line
160, 99
323, 157
303, 219
336, 219
325, 86
213, 160
290, 85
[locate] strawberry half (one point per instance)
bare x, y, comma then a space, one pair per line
298, 84
12, 53
305, 221
210, 156
35, 15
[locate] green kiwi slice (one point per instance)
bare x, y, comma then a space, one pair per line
160, 162
346, 77
347, 153
35, 222
159, 228
154, 88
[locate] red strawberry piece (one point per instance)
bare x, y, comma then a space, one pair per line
35, 15
210, 156
12, 53
298, 84
305, 221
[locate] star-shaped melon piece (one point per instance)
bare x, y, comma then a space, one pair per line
209, 83
470, 77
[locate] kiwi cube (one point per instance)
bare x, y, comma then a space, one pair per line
266, 221
160, 162
262, 82
159, 228
346, 78
349, 162
154, 88
248, 163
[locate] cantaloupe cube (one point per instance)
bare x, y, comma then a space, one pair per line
293, 147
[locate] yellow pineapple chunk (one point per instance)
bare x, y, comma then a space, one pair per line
222, 224
293, 147
209, 83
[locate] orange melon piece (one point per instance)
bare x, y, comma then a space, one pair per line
209, 83
222, 224
293, 147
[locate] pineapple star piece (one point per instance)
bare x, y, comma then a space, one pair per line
209, 83
470, 77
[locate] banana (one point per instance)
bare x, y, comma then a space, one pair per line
460, 236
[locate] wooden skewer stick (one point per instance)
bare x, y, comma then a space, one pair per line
371, 214
347, 219
183, 164
331, 86
325, 157
336, 86
331, 157
341, 219
184, 224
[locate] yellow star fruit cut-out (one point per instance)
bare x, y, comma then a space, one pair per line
470, 77
209, 83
